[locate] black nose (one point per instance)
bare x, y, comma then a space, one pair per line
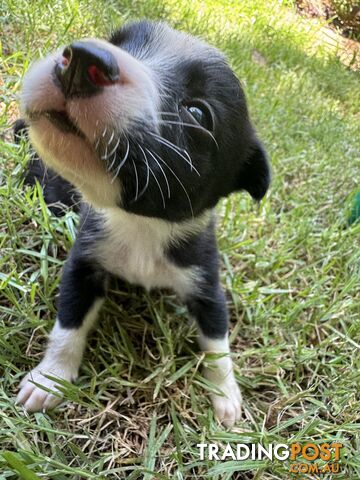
85, 69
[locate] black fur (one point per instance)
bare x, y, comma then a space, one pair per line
82, 284
236, 162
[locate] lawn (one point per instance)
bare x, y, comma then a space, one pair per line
291, 268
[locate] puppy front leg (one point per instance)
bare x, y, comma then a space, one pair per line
81, 295
210, 314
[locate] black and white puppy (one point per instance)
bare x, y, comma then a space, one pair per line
152, 129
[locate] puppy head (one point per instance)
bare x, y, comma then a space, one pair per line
153, 121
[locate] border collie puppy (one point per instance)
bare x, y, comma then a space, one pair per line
152, 129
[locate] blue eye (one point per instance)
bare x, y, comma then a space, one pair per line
201, 113
198, 114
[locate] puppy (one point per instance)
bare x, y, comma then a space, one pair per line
152, 129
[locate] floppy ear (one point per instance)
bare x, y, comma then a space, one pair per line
255, 174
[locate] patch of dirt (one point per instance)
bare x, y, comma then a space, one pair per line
346, 20
344, 31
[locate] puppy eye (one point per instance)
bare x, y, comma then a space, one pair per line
201, 114
198, 114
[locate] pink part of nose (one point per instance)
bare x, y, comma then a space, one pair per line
98, 77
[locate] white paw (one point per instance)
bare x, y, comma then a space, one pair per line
228, 407
34, 398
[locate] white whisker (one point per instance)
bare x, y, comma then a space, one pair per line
180, 182
172, 114
172, 122
147, 172
159, 186
112, 162
176, 150
162, 170
172, 144
105, 157
137, 181
97, 144
122, 161
111, 138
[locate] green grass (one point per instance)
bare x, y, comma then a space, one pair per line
291, 269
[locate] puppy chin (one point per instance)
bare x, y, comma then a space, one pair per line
76, 161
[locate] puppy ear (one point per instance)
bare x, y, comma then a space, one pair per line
255, 174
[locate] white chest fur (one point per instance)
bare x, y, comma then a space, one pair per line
134, 247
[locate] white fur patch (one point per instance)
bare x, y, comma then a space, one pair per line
62, 360
227, 406
134, 249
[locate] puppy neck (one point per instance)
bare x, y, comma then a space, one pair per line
161, 231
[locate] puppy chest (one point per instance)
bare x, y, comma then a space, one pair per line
138, 256
135, 264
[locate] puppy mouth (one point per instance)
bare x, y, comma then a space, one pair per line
60, 119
